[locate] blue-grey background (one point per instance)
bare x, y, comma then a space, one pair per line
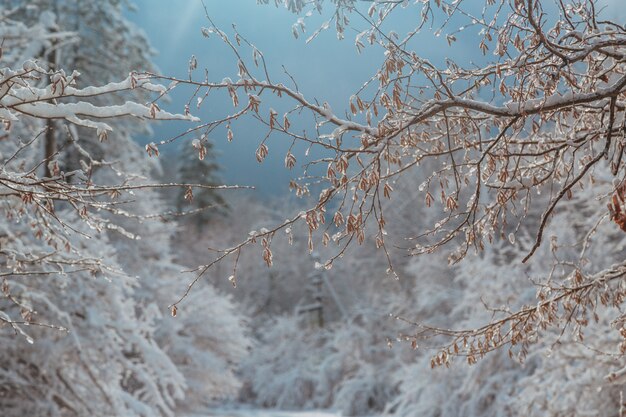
326, 69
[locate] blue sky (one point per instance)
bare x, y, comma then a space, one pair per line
326, 68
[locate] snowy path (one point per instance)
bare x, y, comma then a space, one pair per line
264, 413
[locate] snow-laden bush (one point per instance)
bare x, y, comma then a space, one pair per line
107, 362
560, 373
345, 366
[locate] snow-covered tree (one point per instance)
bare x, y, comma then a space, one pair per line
84, 335
55, 278
198, 164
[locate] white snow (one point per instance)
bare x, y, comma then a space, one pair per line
263, 413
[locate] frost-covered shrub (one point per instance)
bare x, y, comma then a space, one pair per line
346, 366
560, 373
107, 362
207, 341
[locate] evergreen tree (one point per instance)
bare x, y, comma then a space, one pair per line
198, 164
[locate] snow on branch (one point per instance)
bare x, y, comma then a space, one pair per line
19, 95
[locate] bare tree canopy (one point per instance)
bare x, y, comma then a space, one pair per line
499, 145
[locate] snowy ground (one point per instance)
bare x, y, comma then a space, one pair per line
265, 413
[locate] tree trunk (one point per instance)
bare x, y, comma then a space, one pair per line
50, 137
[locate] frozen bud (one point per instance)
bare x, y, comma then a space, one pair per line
103, 134
152, 149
